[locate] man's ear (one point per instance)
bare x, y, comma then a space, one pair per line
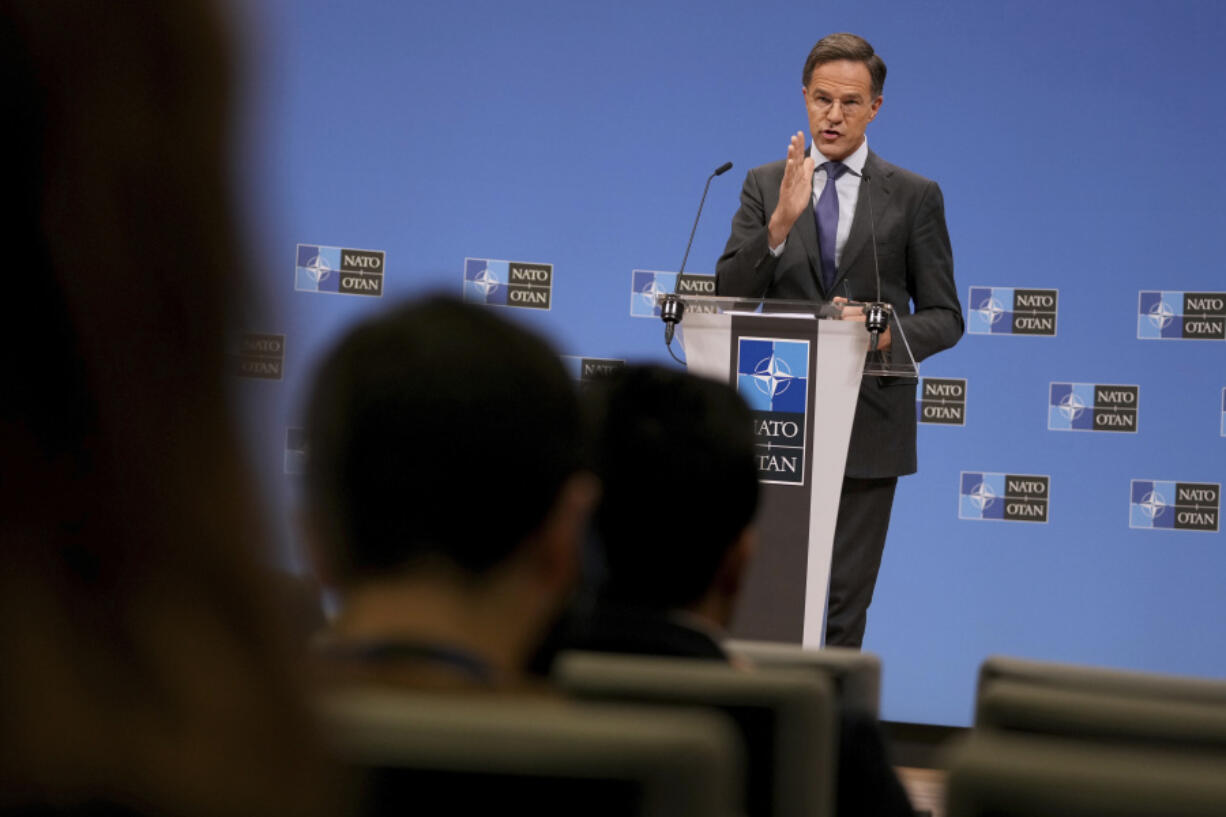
561, 535
735, 564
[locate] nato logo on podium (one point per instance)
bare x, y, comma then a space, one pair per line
773, 378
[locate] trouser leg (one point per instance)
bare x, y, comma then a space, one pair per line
859, 538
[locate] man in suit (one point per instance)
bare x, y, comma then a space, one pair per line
805, 231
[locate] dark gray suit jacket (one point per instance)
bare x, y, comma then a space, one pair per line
917, 278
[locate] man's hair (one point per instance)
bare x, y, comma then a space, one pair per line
437, 430
676, 455
844, 46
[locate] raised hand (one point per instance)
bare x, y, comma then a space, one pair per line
795, 191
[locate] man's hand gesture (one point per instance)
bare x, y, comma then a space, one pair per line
795, 191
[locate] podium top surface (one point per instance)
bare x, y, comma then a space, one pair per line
716, 304
894, 361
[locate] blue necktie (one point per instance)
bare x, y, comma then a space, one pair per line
827, 214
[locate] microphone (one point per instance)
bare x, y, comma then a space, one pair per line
672, 307
876, 314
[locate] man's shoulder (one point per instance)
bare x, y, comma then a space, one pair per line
896, 173
622, 627
769, 169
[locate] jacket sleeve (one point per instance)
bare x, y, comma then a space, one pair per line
747, 268
936, 322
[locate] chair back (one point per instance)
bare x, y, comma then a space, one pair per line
787, 718
1017, 706
469, 754
1126, 683
1010, 775
856, 674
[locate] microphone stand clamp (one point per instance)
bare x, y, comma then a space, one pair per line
671, 310
876, 320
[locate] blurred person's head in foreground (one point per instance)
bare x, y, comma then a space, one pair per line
142, 671
445, 493
675, 454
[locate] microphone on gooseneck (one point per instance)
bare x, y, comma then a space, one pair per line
876, 317
672, 308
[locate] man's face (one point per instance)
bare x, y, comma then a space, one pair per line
840, 102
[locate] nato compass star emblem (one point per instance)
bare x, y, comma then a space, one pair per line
1152, 504
772, 376
1161, 315
981, 496
991, 310
1072, 406
485, 281
318, 268
650, 294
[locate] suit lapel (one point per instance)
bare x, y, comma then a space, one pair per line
806, 230
860, 237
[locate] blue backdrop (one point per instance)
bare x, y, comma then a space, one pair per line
1078, 147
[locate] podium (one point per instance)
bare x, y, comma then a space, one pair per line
799, 366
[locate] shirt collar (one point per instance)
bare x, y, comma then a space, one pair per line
854, 162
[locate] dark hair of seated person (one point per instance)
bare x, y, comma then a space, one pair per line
436, 431
674, 452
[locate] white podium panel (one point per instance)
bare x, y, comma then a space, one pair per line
799, 368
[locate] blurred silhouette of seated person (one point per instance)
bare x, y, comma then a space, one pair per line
675, 455
141, 664
446, 497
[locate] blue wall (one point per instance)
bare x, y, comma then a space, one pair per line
1078, 147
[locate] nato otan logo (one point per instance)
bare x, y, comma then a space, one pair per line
339, 270
587, 370
1224, 412
647, 286
773, 378
1009, 311
1159, 505
1181, 315
941, 401
1092, 407
257, 355
508, 283
1003, 497
295, 450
